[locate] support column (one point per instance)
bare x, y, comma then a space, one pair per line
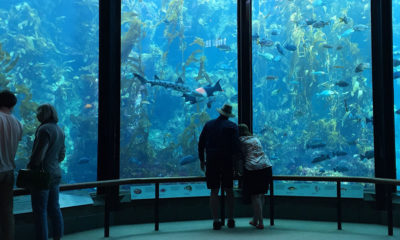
109, 92
245, 101
383, 99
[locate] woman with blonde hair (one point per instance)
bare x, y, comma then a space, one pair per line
47, 153
257, 173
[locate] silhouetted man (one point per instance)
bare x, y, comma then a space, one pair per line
10, 135
219, 138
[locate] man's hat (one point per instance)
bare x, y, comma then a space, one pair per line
226, 111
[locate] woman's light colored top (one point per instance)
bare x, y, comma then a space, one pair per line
253, 154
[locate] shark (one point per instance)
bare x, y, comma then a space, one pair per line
190, 95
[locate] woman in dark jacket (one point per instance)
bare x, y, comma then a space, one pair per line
48, 151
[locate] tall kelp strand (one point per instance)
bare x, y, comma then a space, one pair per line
27, 107
130, 38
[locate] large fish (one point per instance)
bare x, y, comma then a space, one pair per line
290, 47
321, 158
338, 153
340, 169
361, 67
192, 99
268, 56
368, 154
209, 90
255, 37
305, 23
315, 145
342, 83
177, 86
265, 42
187, 159
326, 93
396, 75
360, 27
320, 24
275, 32
280, 49
192, 96
396, 62
344, 20
310, 21
346, 33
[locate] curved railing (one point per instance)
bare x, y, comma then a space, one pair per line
157, 181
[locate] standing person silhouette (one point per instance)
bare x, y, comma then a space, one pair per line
10, 135
257, 173
219, 139
47, 153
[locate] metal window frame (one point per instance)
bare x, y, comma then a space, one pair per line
383, 96
109, 91
245, 73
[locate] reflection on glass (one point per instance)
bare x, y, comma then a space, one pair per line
49, 53
312, 89
396, 77
177, 56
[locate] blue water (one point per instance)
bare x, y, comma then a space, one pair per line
305, 104
57, 46
180, 37
297, 103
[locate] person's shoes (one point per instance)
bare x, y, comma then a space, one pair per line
217, 225
260, 226
253, 223
231, 223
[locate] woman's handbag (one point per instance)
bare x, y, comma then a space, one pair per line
33, 179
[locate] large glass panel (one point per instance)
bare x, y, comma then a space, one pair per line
312, 86
179, 63
49, 54
396, 78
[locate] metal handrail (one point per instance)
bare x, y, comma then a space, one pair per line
157, 181
127, 181
335, 179
116, 182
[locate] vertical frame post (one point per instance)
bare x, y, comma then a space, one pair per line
109, 89
271, 204
156, 207
339, 205
389, 210
107, 214
109, 101
383, 96
245, 95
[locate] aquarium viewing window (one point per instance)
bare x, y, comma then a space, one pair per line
51, 53
312, 88
311, 82
178, 64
